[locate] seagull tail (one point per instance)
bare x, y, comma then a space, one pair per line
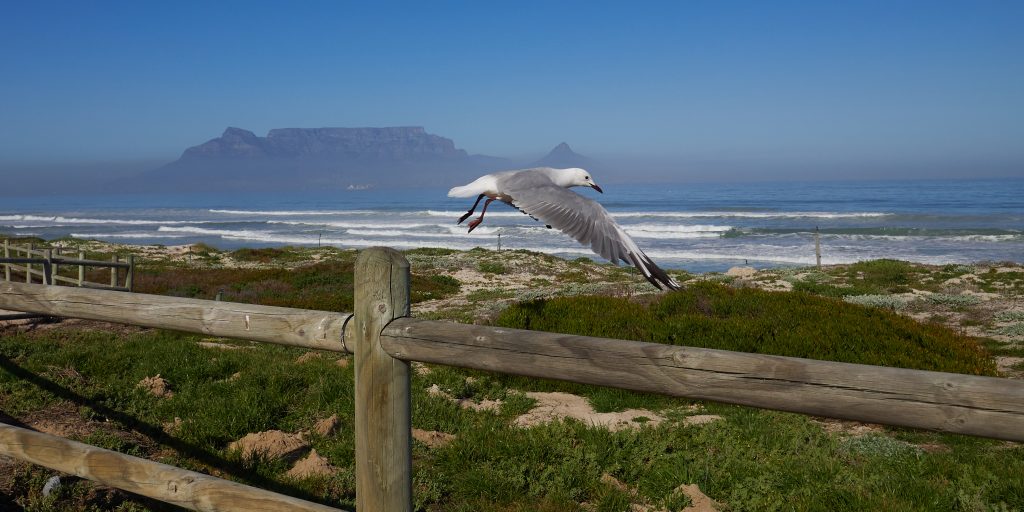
463, 191
481, 185
653, 273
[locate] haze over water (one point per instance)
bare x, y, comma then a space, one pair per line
697, 227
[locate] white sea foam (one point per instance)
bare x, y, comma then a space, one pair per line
690, 215
671, 235
752, 215
127, 235
456, 231
456, 215
227, 233
354, 225
294, 213
675, 231
59, 220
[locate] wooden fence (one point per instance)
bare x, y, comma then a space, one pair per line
50, 260
385, 339
21, 259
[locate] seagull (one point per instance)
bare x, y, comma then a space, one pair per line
543, 194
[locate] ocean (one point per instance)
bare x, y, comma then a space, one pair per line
699, 227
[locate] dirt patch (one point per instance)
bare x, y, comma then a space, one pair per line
555, 406
741, 272
172, 426
1005, 366
432, 438
699, 502
848, 428
62, 420
327, 426
466, 403
701, 419
307, 357
220, 346
156, 386
273, 444
312, 465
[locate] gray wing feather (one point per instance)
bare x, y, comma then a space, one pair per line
583, 219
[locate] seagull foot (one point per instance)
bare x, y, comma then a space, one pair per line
464, 217
474, 224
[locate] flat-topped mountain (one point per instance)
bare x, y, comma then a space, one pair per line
384, 144
330, 159
318, 158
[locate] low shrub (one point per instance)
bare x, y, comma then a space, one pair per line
325, 286
265, 255
1010, 316
888, 275
750, 320
878, 301
492, 267
953, 301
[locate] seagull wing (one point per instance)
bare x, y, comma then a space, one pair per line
585, 220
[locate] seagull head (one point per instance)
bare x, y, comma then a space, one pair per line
581, 178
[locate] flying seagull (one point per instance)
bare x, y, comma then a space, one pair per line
543, 194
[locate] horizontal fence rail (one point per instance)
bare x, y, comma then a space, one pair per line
284, 326
947, 402
50, 260
169, 484
384, 339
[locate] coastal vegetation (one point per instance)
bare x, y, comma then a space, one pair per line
82, 380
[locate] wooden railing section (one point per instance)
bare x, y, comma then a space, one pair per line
385, 339
25, 259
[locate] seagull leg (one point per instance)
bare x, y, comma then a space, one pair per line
476, 222
471, 210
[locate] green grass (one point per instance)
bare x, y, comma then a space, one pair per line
323, 286
748, 320
751, 460
270, 254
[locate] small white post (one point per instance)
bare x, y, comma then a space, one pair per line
817, 247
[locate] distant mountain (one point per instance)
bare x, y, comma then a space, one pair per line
342, 144
303, 158
562, 157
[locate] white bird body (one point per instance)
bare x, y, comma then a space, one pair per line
488, 184
543, 194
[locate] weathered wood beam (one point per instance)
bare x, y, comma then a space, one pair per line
965, 404
184, 488
383, 420
284, 326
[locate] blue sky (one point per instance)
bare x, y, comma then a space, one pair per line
777, 89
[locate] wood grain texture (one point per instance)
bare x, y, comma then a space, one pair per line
7, 254
284, 326
184, 488
383, 427
980, 406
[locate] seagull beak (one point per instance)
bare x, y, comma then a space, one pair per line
597, 188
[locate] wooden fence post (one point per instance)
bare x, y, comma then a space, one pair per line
113, 272
54, 267
48, 267
28, 266
817, 248
129, 278
7, 254
383, 422
81, 268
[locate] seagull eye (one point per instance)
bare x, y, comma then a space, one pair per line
586, 177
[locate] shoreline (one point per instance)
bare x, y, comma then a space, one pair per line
983, 300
